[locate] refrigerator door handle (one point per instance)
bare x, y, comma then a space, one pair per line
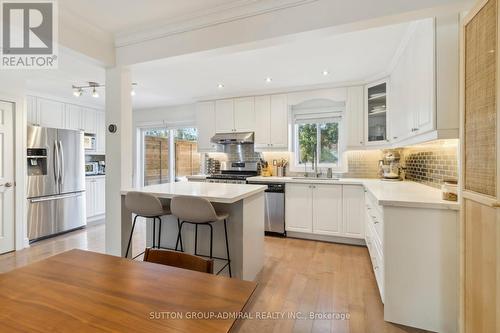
56, 162
61, 163
56, 197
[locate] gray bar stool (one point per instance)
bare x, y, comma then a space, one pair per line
147, 206
199, 211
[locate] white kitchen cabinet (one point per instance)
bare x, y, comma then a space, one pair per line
262, 121
353, 206
377, 113
327, 209
235, 115
244, 114
205, 123
95, 189
224, 116
50, 113
90, 191
355, 117
101, 132
89, 120
298, 207
319, 209
74, 119
271, 130
32, 111
413, 85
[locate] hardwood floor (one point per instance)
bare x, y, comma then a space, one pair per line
298, 275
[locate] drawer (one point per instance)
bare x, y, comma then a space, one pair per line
377, 224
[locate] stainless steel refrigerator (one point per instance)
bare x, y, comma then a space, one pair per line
56, 181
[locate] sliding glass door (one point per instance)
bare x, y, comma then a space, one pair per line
169, 154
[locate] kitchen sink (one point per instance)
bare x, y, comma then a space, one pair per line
314, 178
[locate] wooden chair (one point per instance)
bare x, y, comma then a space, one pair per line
179, 259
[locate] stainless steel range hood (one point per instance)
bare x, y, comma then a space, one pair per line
233, 138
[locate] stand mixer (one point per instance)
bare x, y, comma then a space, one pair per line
390, 167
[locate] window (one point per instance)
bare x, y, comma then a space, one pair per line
318, 139
317, 134
169, 154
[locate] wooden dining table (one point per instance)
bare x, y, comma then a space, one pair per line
81, 291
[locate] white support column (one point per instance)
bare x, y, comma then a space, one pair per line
118, 155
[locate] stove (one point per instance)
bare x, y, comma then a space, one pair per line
235, 173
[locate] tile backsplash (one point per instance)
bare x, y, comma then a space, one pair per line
432, 163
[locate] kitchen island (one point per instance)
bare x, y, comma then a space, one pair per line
244, 203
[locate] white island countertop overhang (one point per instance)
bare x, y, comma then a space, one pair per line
214, 192
245, 226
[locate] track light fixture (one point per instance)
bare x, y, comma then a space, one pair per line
94, 92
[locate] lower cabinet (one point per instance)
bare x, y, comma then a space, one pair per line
95, 195
323, 209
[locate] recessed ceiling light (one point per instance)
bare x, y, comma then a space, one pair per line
269, 79
325, 73
220, 86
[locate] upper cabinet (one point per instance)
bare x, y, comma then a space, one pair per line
355, 117
271, 124
244, 114
50, 113
89, 120
376, 130
54, 114
413, 85
205, 122
424, 83
235, 115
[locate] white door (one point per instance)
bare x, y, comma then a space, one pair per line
51, 113
101, 132
100, 198
90, 189
224, 116
89, 120
327, 209
298, 207
6, 177
73, 117
244, 114
353, 197
205, 122
262, 121
279, 121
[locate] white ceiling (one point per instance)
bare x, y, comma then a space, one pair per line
118, 15
350, 57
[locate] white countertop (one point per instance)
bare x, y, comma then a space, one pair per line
215, 192
402, 194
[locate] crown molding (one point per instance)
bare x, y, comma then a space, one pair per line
206, 18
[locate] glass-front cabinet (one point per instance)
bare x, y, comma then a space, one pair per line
376, 112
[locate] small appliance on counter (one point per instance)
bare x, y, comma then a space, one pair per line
450, 190
390, 167
91, 168
89, 143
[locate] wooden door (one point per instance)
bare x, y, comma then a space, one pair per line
224, 116
480, 216
244, 114
6, 177
298, 207
327, 209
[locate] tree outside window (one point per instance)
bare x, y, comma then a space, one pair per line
318, 139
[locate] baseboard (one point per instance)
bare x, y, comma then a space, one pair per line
326, 238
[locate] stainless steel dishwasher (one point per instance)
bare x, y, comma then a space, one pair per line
274, 208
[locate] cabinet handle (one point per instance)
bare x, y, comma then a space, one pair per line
394, 137
360, 142
376, 222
